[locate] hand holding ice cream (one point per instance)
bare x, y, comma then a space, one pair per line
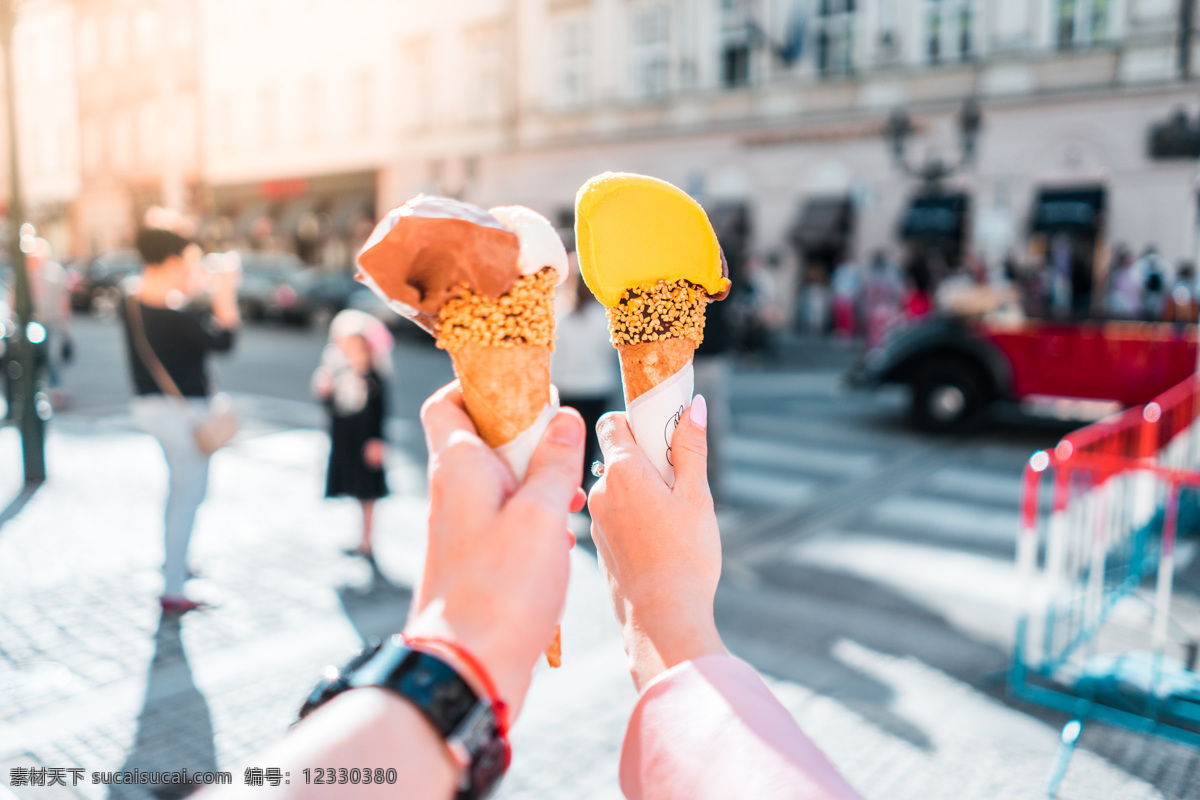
648, 253
482, 282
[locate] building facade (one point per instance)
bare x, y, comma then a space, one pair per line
138, 79
295, 123
779, 105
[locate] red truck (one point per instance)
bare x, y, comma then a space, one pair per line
957, 367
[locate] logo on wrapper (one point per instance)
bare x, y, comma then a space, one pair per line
669, 430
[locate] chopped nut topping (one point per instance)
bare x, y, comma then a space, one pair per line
523, 315
663, 310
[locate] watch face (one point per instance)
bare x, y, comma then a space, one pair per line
467, 722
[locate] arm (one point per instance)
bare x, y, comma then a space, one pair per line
224, 295
495, 580
705, 726
376, 448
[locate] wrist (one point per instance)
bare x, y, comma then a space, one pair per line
479, 658
659, 642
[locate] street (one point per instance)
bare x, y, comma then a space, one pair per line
868, 574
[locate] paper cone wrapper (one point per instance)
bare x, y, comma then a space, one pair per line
658, 382
508, 394
510, 399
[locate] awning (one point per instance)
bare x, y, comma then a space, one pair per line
731, 223
1078, 209
935, 217
823, 223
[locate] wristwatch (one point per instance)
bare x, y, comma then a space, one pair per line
466, 721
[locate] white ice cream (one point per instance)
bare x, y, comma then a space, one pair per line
540, 243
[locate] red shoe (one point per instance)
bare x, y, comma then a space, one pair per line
181, 605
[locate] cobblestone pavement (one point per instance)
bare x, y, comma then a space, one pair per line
92, 677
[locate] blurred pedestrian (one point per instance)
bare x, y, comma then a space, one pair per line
350, 381
918, 300
882, 294
168, 344
1152, 271
815, 301
1060, 275
584, 363
1124, 297
846, 286
51, 308
1181, 305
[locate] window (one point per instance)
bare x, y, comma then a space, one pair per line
420, 78
89, 44
737, 27
574, 80
122, 141
314, 108
651, 49
268, 118
149, 134
364, 111
1082, 22
950, 30
227, 120
185, 128
93, 146
835, 37
116, 44
147, 32
485, 73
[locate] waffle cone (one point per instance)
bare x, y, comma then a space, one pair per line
647, 364
504, 388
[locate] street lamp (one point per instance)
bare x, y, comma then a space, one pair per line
899, 129
26, 329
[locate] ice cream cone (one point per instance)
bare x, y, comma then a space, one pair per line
505, 388
482, 282
647, 364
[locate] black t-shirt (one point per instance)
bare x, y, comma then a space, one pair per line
181, 340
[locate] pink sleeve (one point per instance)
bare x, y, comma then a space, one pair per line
710, 728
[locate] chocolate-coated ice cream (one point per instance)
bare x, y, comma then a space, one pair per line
423, 251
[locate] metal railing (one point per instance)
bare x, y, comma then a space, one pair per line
1101, 516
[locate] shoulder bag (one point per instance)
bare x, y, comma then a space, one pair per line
212, 433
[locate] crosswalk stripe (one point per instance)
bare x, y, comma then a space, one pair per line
774, 384
970, 524
802, 457
988, 486
767, 489
807, 429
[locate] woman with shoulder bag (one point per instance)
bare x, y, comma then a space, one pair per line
168, 344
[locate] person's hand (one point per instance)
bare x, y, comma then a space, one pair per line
659, 547
373, 453
497, 562
322, 383
224, 277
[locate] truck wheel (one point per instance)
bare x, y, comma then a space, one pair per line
947, 396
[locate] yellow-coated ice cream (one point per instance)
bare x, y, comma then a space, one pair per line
633, 230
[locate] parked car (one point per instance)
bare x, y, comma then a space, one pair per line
327, 293
98, 285
957, 367
274, 286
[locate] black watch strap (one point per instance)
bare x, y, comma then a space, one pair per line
466, 722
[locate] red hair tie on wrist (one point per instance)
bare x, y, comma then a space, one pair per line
481, 675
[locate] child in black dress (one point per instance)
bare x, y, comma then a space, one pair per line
350, 381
